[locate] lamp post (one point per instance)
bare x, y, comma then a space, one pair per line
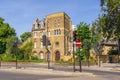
48, 52
16, 46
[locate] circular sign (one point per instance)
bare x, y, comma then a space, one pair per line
78, 43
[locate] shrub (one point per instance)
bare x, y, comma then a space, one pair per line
34, 58
113, 52
7, 57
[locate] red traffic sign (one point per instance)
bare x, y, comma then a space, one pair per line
78, 43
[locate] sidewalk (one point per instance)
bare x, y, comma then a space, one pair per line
62, 70
44, 71
106, 67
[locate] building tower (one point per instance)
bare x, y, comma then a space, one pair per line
58, 29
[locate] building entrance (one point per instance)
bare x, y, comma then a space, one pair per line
57, 56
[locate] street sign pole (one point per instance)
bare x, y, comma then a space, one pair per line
78, 44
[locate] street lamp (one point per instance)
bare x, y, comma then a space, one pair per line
16, 46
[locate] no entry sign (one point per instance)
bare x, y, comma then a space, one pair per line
78, 43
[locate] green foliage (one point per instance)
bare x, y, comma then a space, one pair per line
34, 58
113, 52
10, 48
109, 20
25, 36
2, 47
27, 50
5, 32
84, 33
96, 31
8, 57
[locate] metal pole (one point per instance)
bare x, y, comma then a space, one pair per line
0, 62
80, 61
88, 55
16, 56
88, 60
48, 53
118, 50
73, 59
16, 45
48, 60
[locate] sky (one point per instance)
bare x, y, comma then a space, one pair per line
20, 14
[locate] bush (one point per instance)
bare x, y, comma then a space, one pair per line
113, 52
7, 57
34, 58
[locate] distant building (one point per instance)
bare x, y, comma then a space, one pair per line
74, 27
58, 29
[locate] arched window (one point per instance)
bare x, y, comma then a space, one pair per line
35, 34
42, 24
41, 55
36, 25
35, 45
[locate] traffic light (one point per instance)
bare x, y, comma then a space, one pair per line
74, 35
44, 40
48, 42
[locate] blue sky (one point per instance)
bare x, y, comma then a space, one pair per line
20, 14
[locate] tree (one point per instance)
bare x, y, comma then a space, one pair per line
85, 35
25, 36
10, 48
109, 20
5, 32
27, 50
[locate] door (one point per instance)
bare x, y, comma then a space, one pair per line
57, 56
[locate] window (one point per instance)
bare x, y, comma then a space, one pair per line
58, 21
48, 33
57, 32
35, 54
35, 34
35, 45
42, 24
36, 26
41, 56
54, 32
41, 44
41, 34
56, 43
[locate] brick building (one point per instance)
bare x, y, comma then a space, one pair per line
58, 29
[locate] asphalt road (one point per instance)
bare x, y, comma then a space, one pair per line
21, 76
107, 75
